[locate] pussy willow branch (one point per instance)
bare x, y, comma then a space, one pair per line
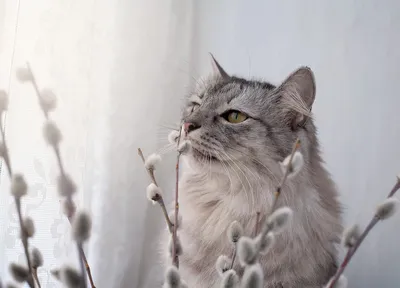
233, 256
17, 201
266, 228
69, 198
159, 198
279, 188
264, 231
174, 254
352, 250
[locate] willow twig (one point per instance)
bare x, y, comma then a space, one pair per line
266, 228
174, 254
62, 171
159, 198
279, 188
24, 238
352, 250
35, 276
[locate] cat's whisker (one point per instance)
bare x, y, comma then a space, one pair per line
169, 127
257, 178
244, 187
166, 149
227, 172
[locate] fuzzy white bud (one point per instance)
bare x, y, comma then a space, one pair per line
178, 246
280, 219
265, 242
235, 231
151, 161
253, 277
351, 235
52, 133
47, 100
341, 283
29, 227
19, 187
230, 279
24, 75
246, 251
173, 136
36, 258
295, 166
56, 274
81, 227
70, 277
223, 264
18, 272
171, 216
172, 277
68, 206
153, 192
387, 208
3, 101
66, 186
184, 147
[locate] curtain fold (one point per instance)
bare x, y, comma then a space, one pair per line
147, 80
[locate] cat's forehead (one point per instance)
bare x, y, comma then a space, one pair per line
218, 91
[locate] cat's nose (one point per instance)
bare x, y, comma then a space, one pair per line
190, 126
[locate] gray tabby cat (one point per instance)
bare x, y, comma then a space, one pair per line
239, 130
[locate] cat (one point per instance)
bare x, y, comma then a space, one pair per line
239, 131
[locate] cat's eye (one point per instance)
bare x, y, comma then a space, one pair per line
234, 116
194, 106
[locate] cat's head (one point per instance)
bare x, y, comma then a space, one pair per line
231, 119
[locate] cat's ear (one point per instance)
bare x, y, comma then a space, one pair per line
297, 95
218, 69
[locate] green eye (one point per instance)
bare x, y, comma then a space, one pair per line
235, 117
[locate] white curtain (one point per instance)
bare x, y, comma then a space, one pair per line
120, 70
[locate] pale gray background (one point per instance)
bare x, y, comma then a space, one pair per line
121, 68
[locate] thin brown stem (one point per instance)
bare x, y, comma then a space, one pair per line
159, 198
233, 256
175, 257
87, 267
350, 253
81, 263
174, 235
85, 262
35, 276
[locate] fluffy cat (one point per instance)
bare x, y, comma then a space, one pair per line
239, 130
